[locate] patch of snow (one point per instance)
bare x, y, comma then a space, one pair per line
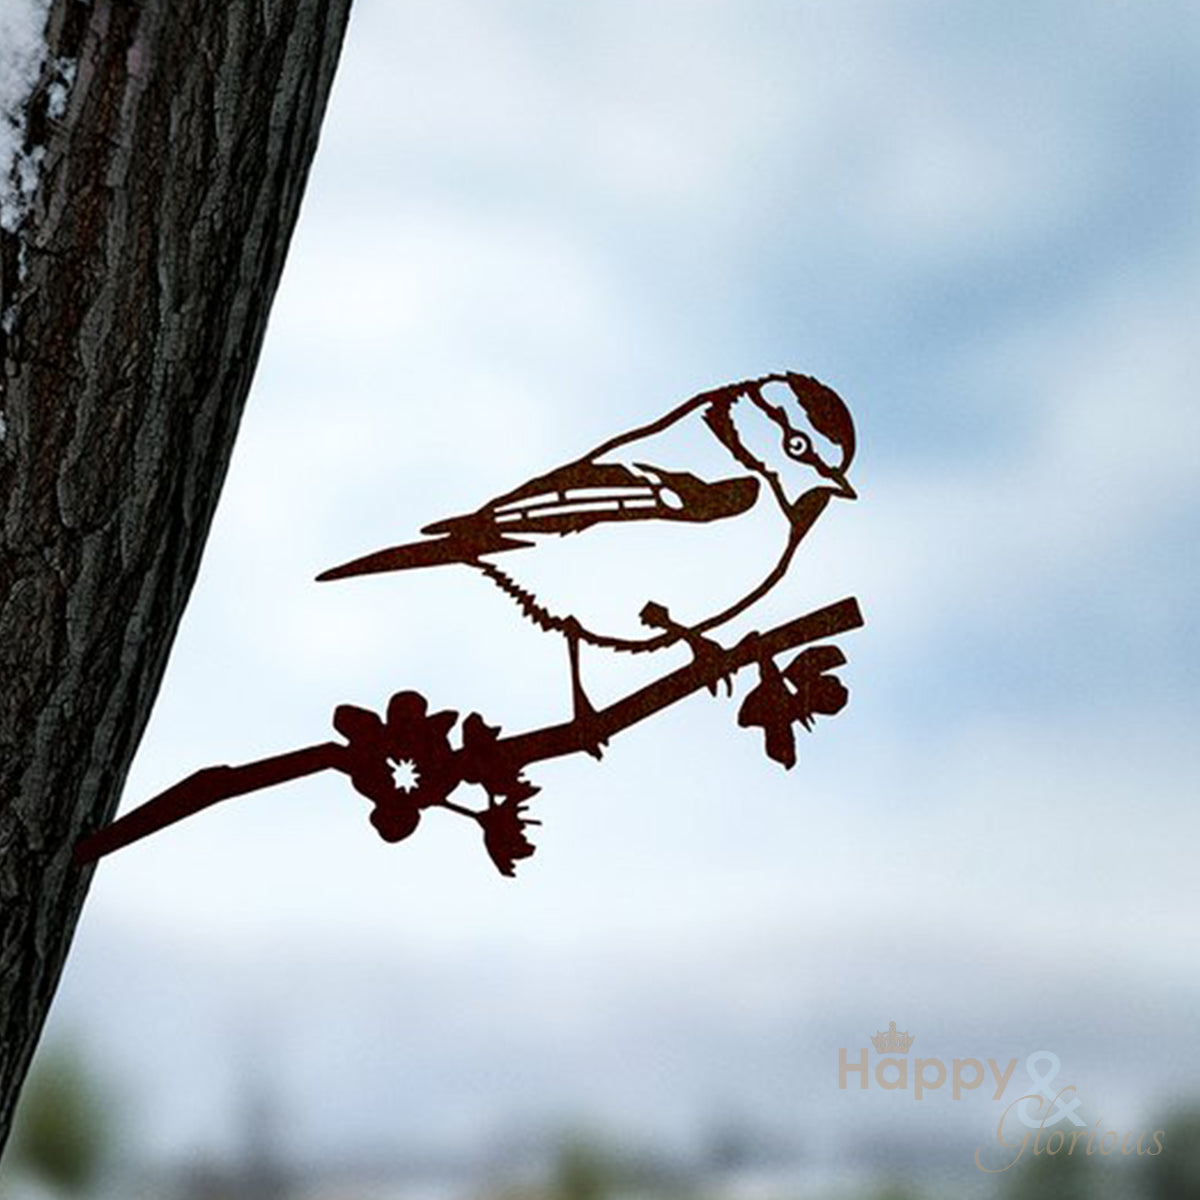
60, 89
22, 53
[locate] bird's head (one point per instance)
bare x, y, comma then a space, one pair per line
802, 433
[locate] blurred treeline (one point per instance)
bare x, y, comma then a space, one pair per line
68, 1141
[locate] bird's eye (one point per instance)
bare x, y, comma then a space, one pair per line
797, 445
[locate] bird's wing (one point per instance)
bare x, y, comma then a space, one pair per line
586, 493
567, 500
573, 498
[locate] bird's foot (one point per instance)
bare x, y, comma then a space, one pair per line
709, 657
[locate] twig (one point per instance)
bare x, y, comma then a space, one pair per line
204, 788
572, 736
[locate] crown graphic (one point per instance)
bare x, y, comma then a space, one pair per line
892, 1042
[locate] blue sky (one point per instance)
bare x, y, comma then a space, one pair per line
529, 227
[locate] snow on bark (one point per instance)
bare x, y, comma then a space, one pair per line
22, 55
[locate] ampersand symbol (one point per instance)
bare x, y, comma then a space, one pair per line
1041, 1083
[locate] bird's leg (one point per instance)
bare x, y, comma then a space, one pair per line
583, 713
708, 656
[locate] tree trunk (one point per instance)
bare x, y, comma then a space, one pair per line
133, 299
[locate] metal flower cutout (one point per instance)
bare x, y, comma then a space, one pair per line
405, 763
402, 764
504, 826
794, 696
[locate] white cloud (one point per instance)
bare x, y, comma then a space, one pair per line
411, 280
1102, 462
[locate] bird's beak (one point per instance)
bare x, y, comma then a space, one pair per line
841, 483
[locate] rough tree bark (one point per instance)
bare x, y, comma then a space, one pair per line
134, 298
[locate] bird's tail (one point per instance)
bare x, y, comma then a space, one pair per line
454, 548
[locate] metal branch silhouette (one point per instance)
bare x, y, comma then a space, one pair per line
411, 741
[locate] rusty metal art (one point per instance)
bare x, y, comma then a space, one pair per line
653, 540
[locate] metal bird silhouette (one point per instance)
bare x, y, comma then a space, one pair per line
695, 517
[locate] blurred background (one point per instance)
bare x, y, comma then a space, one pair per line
529, 226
